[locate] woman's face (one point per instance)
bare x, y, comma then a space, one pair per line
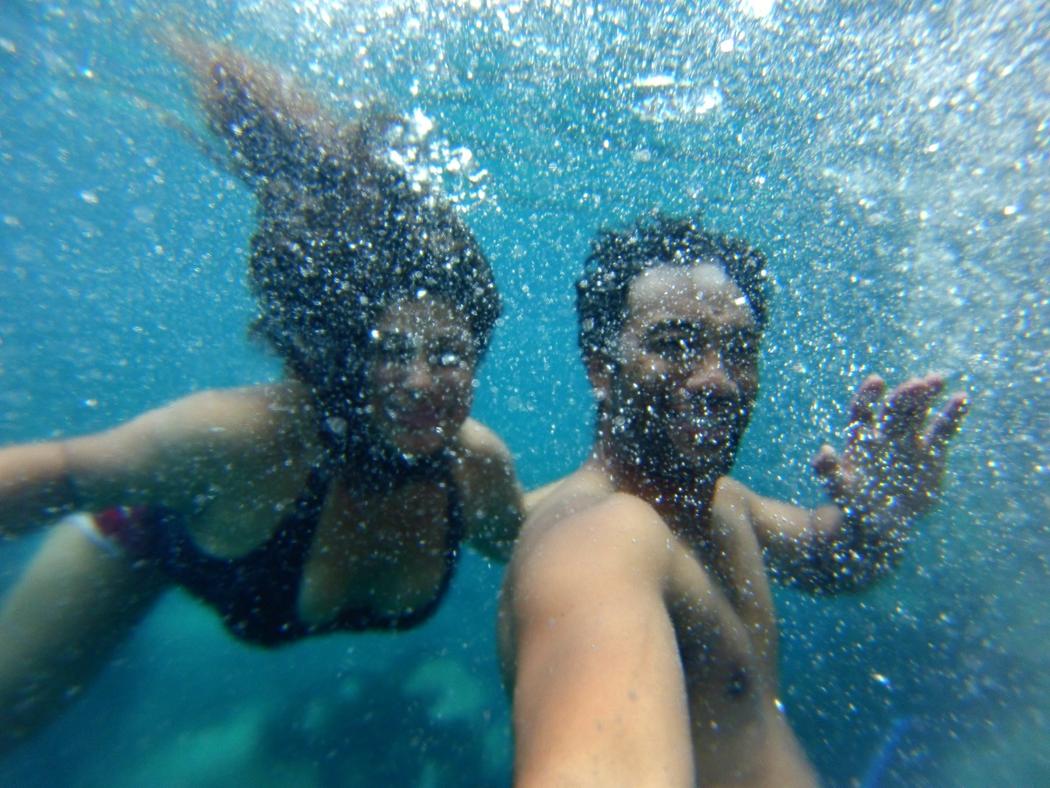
420, 376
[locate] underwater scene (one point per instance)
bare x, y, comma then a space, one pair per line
891, 161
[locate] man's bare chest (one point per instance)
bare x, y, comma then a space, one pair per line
724, 616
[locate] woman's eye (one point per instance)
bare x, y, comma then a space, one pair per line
393, 352
447, 358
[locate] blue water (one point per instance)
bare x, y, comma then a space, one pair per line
890, 158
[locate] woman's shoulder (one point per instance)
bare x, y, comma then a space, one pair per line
263, 414
238, 398
477, 443
489, 488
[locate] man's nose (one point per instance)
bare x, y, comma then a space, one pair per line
707, 373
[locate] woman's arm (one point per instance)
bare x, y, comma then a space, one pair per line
492, 498
170, 456
41, 481
36, 485
75, 604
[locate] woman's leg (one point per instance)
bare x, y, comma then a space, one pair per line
76, 602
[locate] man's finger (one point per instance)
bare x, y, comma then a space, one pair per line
828, 467
907, 407
946, 425
862, 408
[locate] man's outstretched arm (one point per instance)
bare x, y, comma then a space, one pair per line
599, 694
889, 473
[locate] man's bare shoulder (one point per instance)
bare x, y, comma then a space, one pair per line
584, 520
587, 548
732, 503
556, 504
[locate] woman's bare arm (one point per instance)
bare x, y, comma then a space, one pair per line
492, 497
170, 456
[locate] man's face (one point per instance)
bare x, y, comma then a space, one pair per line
685, 372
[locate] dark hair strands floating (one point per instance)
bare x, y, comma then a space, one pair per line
342, 231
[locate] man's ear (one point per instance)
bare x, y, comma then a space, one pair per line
599, 373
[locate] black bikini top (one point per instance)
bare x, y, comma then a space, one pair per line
257, 593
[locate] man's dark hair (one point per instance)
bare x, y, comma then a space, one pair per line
618, 256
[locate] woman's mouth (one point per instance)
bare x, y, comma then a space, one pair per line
416, 417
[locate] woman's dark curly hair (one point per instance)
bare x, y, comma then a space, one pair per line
343, 231
329, 256
617, 257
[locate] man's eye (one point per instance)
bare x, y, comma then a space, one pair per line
669, 347
739, 350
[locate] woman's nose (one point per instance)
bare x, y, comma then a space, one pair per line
417, 372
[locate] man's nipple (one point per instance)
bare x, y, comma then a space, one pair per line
738, 684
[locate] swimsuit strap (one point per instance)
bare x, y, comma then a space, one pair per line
365, 618
257, 593
295, 533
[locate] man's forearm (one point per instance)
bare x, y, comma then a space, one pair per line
853, 549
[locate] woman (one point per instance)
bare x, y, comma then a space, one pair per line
335, 500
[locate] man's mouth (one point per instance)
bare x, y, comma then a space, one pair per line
703, 428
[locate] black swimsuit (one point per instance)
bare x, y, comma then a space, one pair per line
257, 594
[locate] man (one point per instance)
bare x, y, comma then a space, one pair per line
637, 624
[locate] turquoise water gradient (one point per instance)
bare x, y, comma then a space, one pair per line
890, 158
